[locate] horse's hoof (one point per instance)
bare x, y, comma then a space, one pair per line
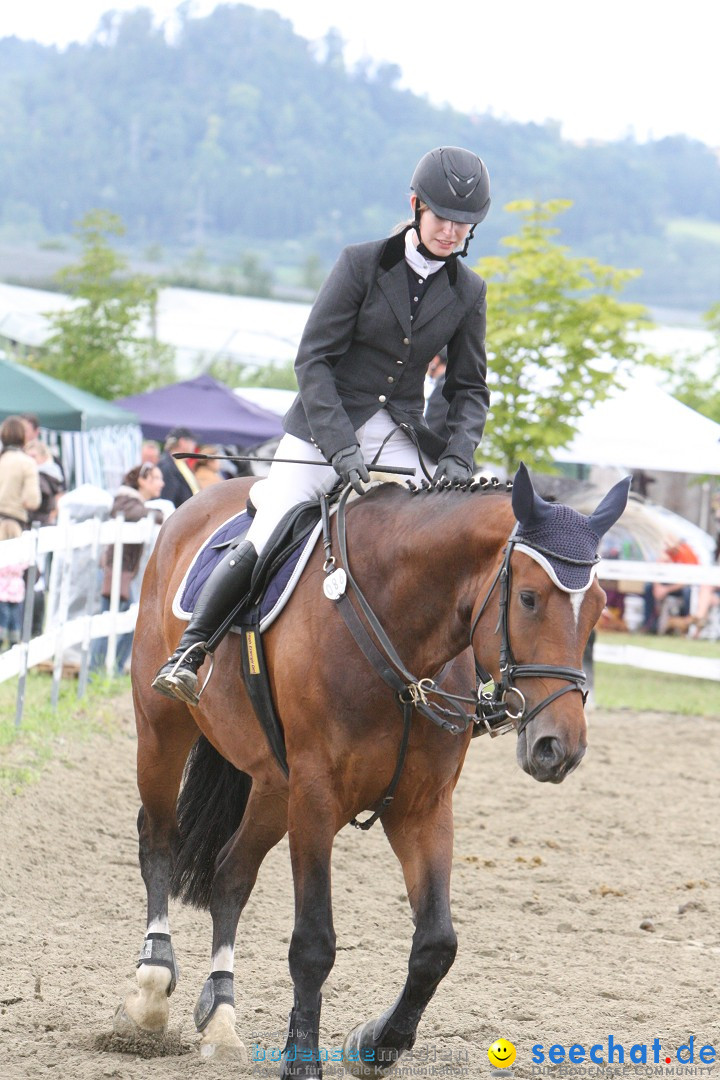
146, 1011
126, 1028
355, 1041
220, 1041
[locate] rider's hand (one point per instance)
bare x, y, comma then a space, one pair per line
449, 469
350, 467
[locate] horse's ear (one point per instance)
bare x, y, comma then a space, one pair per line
611, 507
529, 508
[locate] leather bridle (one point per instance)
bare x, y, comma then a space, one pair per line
495, 707
492, 709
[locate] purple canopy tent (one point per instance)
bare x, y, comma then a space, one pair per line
208, 408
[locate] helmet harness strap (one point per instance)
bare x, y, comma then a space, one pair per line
468, 238
428, 254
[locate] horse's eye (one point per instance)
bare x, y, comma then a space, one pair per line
527, 599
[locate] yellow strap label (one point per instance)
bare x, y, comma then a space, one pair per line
253, 663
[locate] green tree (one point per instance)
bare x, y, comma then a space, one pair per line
695, 378
102, 343
557, 338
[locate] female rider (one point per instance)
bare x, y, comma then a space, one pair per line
386, 309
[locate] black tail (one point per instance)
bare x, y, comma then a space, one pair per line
210, 808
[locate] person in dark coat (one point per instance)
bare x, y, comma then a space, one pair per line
386, 309
180, 483
437, 405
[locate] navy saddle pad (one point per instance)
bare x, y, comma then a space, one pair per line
279, 587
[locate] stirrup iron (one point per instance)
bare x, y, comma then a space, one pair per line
175, 687
197, 645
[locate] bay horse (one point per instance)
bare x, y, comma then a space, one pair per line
456, 580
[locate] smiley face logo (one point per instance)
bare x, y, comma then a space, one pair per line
501, 1054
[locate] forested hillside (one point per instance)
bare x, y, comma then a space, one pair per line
238, 135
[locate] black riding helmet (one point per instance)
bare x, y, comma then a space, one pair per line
455, 184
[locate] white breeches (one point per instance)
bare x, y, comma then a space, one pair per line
288, 485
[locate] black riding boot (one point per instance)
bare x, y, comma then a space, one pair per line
226, 586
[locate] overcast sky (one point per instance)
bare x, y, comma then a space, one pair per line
643, 67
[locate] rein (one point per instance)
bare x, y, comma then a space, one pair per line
493, 708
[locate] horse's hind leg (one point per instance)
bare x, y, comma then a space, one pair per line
264, 823
423, 843
163, 746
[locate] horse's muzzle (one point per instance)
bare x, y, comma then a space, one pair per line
548, 758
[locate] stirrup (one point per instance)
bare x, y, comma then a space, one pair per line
171, 683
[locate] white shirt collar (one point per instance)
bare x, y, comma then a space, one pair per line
417, 261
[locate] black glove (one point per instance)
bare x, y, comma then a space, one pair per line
450, 469
350, 467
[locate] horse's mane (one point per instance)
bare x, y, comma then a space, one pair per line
483, 486
406, 505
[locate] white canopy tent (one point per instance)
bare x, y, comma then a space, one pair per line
643, 427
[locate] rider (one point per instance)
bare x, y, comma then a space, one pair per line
386, 309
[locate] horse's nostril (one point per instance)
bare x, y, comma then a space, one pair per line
548, 751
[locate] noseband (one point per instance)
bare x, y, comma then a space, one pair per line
495, 706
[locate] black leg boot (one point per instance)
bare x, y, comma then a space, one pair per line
226, 586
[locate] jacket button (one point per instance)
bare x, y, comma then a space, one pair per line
382, 398
400, 362
390, 378
406, 341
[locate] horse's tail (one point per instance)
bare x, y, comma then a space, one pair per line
209, 809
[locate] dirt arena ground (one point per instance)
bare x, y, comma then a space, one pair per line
552, 888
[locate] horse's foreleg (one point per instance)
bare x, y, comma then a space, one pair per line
312, 947
423, 844
264, 824
163, 747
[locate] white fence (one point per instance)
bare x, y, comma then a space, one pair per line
699, 667
72, 621
86, 540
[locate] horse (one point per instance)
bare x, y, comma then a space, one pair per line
445, 584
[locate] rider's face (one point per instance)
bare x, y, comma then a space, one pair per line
440, 235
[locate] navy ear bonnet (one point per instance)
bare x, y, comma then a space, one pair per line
560, 538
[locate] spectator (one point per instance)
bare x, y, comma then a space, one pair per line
180, 482
32, 434
31, 425
149, 451
51, 482
19, 495
437, 405
52, 486
19, 483
208, 471
140, 485
708, 598
664, 602
12, 596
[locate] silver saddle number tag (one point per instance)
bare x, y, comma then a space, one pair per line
334, 584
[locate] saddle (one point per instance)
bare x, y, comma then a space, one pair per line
277, 570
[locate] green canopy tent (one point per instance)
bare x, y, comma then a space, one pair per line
98, 440
57, 405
